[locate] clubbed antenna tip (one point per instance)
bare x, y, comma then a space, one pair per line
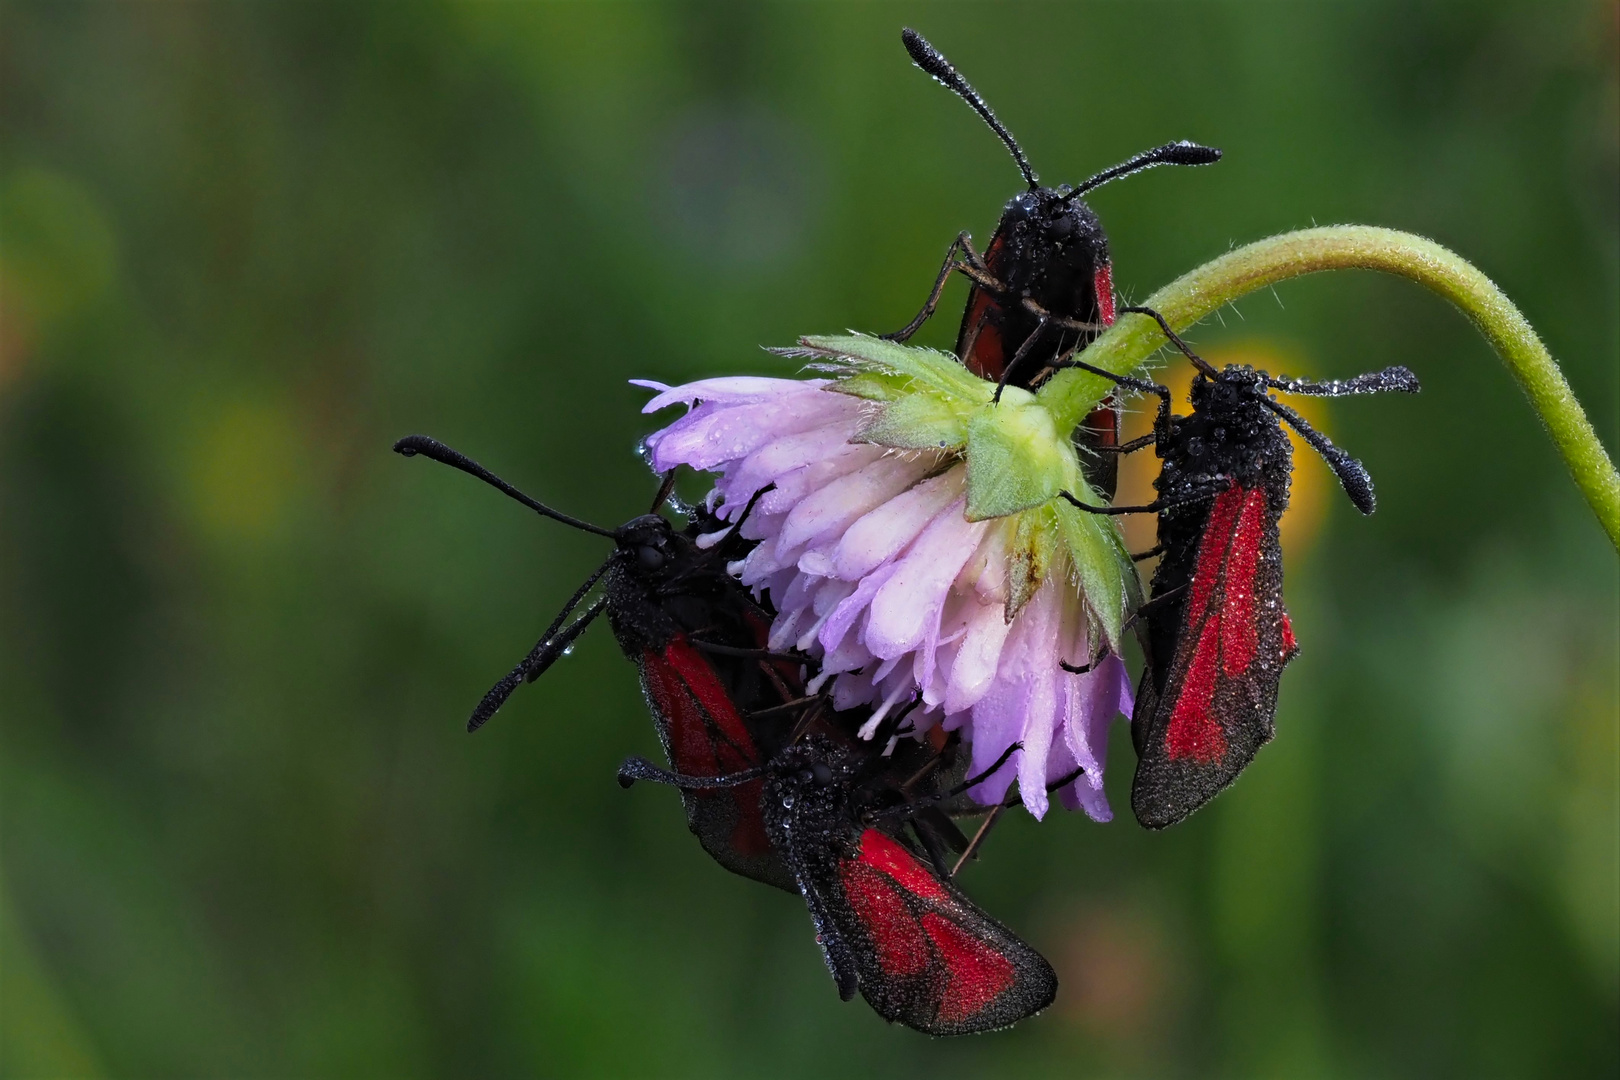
930, 60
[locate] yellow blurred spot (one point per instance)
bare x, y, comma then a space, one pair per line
1313, 481
242, 470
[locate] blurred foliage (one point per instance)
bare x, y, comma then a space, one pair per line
243, 246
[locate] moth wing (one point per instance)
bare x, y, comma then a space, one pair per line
704, 734
1220, 698
923, 954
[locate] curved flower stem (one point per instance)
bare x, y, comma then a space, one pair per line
1070, 394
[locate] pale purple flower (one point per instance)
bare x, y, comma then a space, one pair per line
874, 569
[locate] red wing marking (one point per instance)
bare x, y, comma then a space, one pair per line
881, 853
901, 949
989, 355
926, 956
1194, 732
978, 974
1212, 552
705, 686
1103, 283
1290, 646
1228, 638
691, 749
706, 735
1240, 632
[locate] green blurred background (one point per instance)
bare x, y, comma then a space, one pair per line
244, 246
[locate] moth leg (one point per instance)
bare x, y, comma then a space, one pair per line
927, 767
972, 267
1127, 447
809, 717
995, 767
748, 509
935, 799
1072, 669
1161, 420
1175, 339
1153, 507
1160, 601
796, 703
1075, 325
971, 852
750, 654
1146, 508
1018, 358
889, 727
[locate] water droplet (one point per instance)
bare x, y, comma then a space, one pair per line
787, 802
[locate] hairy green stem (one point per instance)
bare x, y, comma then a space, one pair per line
1191, 297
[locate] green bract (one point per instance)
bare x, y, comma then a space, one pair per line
1018, 453
1018, 458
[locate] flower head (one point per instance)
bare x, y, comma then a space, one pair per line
874, 567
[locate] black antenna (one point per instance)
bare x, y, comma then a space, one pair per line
929, 59
1398, 379
1352, 474
639, 768
547, 651
411, 445
1176, 153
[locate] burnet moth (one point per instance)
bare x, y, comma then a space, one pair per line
1217, 635
890, 922
743, 740
1044, 285
716, 694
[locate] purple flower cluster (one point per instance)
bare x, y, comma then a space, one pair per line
875, 571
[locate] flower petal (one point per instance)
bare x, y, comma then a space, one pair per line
884, 532
977, 658
732, 390
916, 592
838, 503
709, 436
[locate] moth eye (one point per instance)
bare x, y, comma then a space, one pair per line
821, 774
650, 558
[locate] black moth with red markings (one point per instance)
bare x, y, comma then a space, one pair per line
698, 639
740, 733
1217, 633
890, 923
1044, 285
